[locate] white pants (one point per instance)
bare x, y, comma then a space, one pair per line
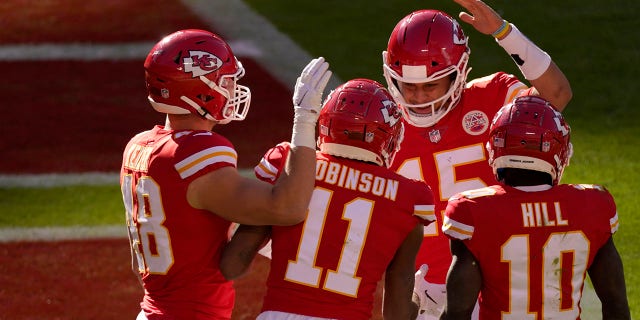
141, 316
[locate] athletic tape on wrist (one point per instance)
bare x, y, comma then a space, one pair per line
531, 60
304, 130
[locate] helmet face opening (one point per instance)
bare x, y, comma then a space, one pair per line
425, 46
530, 134
195, 71
360, 120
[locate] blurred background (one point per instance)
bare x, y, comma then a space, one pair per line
72, 94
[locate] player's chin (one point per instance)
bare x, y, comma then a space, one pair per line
424, 111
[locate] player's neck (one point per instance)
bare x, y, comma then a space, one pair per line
187, 122
521, 177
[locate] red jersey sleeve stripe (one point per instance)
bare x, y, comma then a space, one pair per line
456, 229
266, 170
514, 90
425, 212
614, 223
200, 160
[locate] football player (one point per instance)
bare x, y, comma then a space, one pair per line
527, 243
447, 117
179, 182
364, 221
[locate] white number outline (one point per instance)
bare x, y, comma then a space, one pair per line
342, 280
149, 228
516, 252
446, 163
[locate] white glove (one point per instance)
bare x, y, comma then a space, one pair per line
307, 101
432, 296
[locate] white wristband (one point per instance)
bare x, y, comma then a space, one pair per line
304, 130
531, 60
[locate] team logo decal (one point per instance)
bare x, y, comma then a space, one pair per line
458, 36
391, 119
200, 63
475, 122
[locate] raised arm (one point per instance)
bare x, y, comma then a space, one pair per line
248, 201
536, 65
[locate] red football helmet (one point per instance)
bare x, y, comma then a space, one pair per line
424, 46
530, 134
360, 120
195, 71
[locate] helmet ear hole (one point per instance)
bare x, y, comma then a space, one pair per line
205, 98
177, 60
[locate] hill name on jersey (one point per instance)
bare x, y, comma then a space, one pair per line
536, 214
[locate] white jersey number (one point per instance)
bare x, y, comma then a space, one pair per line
149, 233
446, 163
342, 280
516, 253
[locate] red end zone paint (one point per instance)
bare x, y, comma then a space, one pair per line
93, 21
72, 116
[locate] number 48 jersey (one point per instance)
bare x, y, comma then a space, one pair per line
175, 246
533, 247
359, 215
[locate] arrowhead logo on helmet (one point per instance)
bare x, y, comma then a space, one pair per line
200, 63
391, 119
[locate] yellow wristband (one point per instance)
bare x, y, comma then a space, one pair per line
503, 30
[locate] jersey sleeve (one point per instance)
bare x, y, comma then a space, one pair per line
602, 199
199, 153
424, 208
614, 224
458, 217
271, 164
504, 86
458, 222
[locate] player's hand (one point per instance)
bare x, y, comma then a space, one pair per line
432, 296
482, 17
307, 97
307, 102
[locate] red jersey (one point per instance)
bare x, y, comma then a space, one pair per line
534, 248
177, 247
359, 215
450, 156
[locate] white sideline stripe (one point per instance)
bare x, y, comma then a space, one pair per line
99, 51
51, 180
62, 233
58, 179
234, 19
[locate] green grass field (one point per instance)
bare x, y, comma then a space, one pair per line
594, 43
